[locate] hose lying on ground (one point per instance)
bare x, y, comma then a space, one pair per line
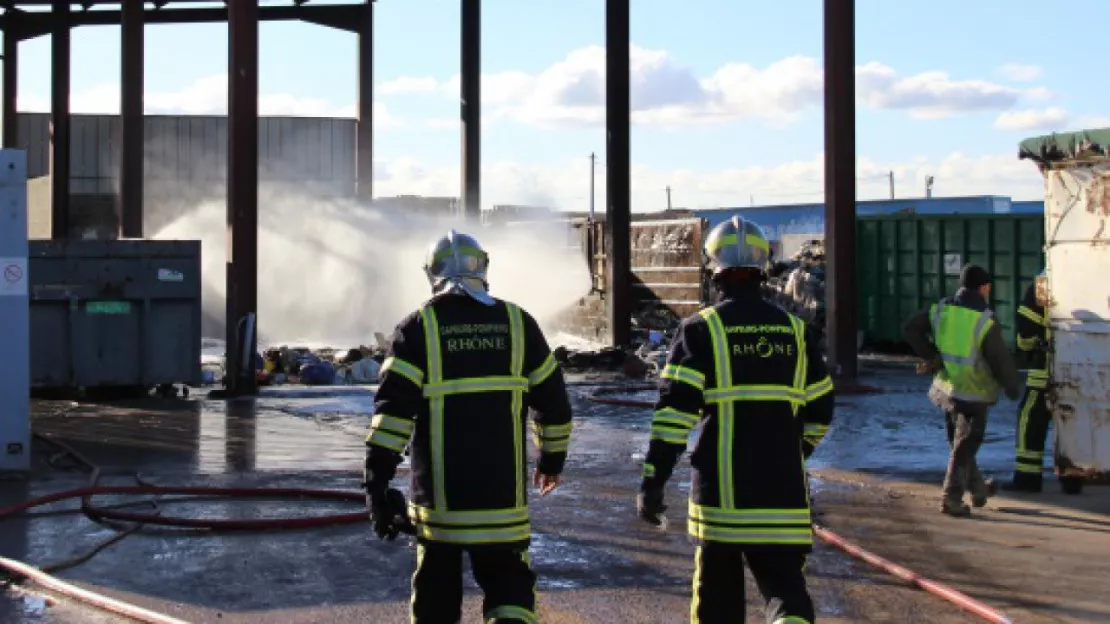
937, 589
113, 513
943, 591
97, 600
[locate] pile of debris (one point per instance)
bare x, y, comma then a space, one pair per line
798, 285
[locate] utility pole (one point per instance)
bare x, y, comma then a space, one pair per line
892, 184
668, 197
593, 169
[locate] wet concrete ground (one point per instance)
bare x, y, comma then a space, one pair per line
596, 562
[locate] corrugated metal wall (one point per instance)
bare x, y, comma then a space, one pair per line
315, 151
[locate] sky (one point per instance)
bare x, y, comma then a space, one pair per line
727, 95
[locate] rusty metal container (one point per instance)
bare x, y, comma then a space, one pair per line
1077, 293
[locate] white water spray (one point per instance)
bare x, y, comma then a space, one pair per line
334, 272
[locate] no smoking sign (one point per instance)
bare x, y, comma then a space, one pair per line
13, 278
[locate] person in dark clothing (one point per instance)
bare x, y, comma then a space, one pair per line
1033, 414
461, 374
754, 377
961, 343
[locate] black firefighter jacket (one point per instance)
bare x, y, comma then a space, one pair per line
755, 379
458, 382
1032, 337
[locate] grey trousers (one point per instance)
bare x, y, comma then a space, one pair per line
966, 425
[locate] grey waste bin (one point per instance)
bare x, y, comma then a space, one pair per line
115, 313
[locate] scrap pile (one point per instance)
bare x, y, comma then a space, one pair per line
798, 285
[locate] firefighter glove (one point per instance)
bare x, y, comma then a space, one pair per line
389, 513
650, 507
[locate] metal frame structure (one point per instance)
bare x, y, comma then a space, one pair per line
26, 19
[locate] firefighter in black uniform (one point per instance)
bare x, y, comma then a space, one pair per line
755, 377
1033, 415
461, 375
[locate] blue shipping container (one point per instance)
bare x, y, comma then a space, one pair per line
809, 219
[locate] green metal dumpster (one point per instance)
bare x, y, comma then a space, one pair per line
114, 313
906, 262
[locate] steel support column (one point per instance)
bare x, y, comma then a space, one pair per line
618, 185
242, 192
840, 186
470, 84
364, 142
59, 120
11, 88
131, 120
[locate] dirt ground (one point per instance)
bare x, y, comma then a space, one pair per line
1038, 558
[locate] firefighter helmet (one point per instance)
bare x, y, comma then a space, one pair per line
457, 263
737, 243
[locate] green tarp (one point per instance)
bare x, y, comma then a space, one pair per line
1057, 147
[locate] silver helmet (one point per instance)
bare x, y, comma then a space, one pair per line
457, 263
737, 243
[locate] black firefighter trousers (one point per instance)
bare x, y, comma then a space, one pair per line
719, 584
504, 574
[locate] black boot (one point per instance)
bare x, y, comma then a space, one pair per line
1024, 482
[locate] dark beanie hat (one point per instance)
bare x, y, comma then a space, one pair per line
974, 276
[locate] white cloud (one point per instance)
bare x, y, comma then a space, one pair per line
205, 96
1019, 72
1052, 119
572, 91
407, 84
1093, 121
565, 186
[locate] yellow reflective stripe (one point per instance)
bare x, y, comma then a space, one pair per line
516, 371
748, 516
507, 612
1020, 467
1033, 455
670, 436
435, 406
760, 392
394, 364
819, 389
686, 419
393, 424
801, 365
649, 470
516, 533
1028, 313
385, 439
731, 239
674, 372
725, 409
516, 515
551, 438
545, 370
761, 535
792, 619
815, 429
1026, 344
466, 385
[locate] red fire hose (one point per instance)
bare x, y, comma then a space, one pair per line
97, 600
943, 591
98, 513
937, 589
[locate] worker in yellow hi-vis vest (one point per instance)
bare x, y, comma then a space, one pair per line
962, 344
460, 377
